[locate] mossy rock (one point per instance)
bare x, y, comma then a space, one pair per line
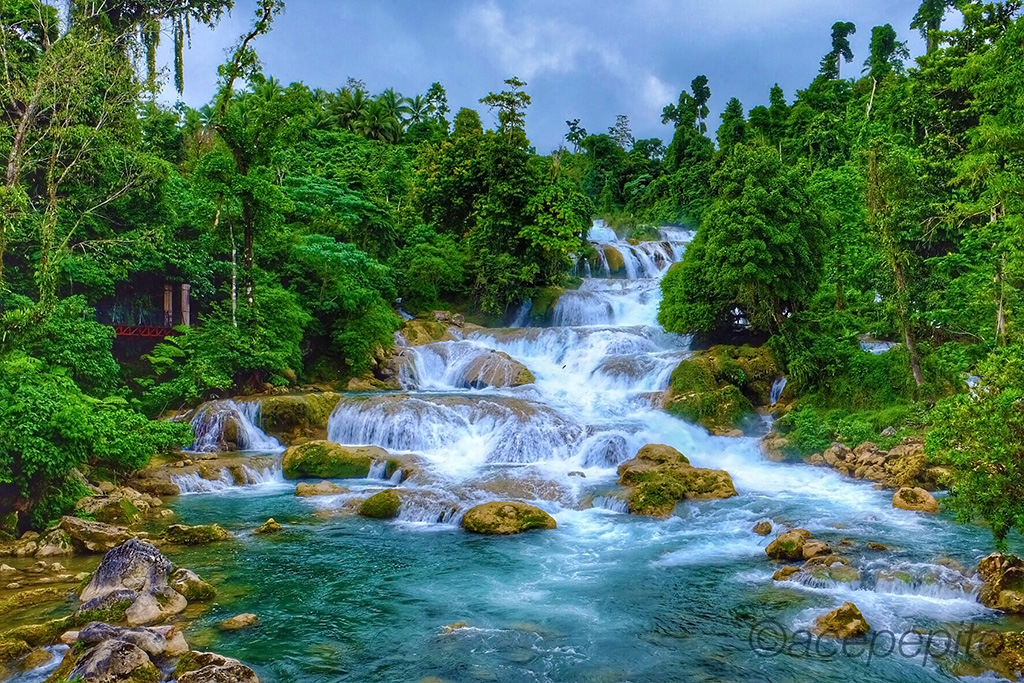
327, 460
180, 534
503, 519
383, 505
842, 623
789, 545
544, 301
425, 331
9, 526
660, 477
297, 415
12, 649
616, 263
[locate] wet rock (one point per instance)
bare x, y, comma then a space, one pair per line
382, 505
785, 573
877, 547
93, 537
815, 548
134, 566
659, 477
915, 499
763, 528
116, 508
816, 459
115, 660
268, 527
206, 667
296, 417
789, 545
326, 460
506, 518
842, 623
193, 588
180, 534
238, 622
155, 607
496, 369
323, 488
1003, 587
55, 543
155, 642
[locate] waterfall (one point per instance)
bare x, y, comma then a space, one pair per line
230, 425
777, 388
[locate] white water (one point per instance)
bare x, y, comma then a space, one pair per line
194, 483
600, 371
211, 418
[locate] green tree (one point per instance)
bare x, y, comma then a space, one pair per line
511, 106
841, 50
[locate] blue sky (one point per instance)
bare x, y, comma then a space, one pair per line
585, 59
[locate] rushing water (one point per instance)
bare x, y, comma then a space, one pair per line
606, 596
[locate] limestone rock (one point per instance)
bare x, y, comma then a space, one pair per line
659, 477
382, 505
181, 534
297, 416
135, 566
115, 660
506, 518
55, 543
155, 607
206, 667
789, 545
496, 369
238, 622
268, 527
93, 537
186, 582
915, 499
155, 642
1003, 587
323, 488
842, 623
326, 460
763, 528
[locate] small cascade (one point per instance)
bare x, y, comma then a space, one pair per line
230, 425
777, 388
522, 316
234, 477
601, 232
611, 503
194, 483
429, 506
378, 470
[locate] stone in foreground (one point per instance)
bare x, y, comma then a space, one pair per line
842, 623
1003, 587
383, 505
659, 477
327, 460
915, 499
506, 518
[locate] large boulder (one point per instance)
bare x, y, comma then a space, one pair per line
115, 660
93, 537
719, 388
296, 417
496, 369
915, 499
204, 534
238, 622
1003, 587
134, 566
327, 460
789, 545
506, 518
55, 543
382, 505
323, 488
166, 641
206, 667
842, 623
659, 477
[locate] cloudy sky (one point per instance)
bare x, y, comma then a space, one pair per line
586, 59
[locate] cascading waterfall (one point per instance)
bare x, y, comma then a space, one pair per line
600, 373
212, 419
777, 388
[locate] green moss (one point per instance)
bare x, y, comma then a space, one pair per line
383, 505
327, 461
12, 648
180, 534
9, 526
506, 518
544, 301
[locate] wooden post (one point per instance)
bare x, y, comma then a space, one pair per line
186, 305
169, 305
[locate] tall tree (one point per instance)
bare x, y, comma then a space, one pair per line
928, 20
734, 127
841, 50
621, 132
511, 105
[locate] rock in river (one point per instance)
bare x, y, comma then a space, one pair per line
506, 518
659, 477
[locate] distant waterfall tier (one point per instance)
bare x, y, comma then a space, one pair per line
230, 425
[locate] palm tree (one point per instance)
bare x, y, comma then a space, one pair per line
420, 109
348, 107
379, 123
395, 104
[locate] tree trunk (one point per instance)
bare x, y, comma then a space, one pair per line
1001, 308
247, 259
904, 314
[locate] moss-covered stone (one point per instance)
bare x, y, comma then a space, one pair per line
326, 460
842, 623
789, 545
189, 585
1003, 587
544, 301
383, 505
297, 416
12, 648
506, 518
915, 499
181, 534
660, 477
9, 526
616, 263
719, 388
271, 526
